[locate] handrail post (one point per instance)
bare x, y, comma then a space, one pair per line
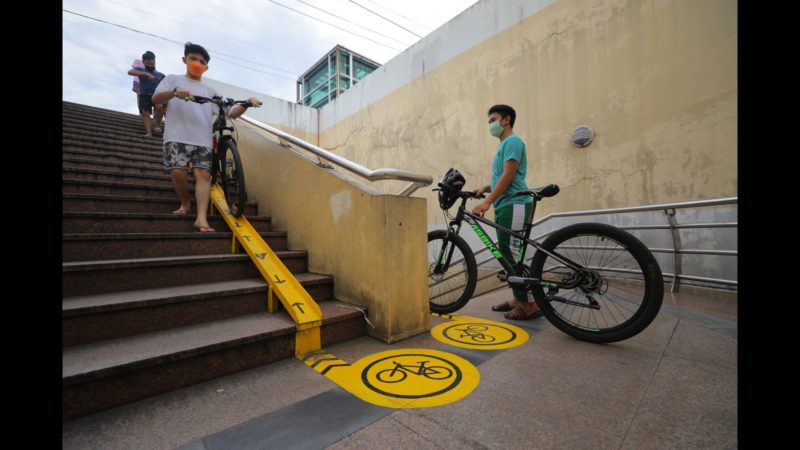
676, 245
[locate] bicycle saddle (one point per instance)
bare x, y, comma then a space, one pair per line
541, 192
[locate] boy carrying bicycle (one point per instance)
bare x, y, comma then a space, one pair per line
509, 167
188, 131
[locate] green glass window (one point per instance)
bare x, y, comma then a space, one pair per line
318, 94
316, 78
345, 63
321, 102
361, 69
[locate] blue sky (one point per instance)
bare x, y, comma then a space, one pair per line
256, 44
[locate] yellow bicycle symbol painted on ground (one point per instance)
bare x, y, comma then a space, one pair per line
475, 332
411, 375
400, 372
402, 378
479, 334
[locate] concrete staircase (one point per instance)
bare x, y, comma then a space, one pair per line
150, 305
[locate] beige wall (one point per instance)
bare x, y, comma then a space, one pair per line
655, 79
373, 244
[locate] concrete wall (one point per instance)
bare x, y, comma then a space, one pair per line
373, 244
655, 79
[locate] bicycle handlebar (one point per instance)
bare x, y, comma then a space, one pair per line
466, 194
228, 102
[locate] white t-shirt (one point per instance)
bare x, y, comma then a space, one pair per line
188, 122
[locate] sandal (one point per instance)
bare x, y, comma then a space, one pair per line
503, 307
519, 314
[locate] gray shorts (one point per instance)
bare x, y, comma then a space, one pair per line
178, 155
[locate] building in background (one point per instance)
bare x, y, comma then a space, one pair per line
333, 74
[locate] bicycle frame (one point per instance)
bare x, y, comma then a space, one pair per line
222, 123
512, 269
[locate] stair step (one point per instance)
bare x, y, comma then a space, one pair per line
124, 131
93, 318
110, 188
104, 246
105, 374
87, 162
98, 154
155, 151
112, 176
130, 204
117, 275
114, 222
141, 145
90, 113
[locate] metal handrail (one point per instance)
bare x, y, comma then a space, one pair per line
679, 205
417, 180
669, 209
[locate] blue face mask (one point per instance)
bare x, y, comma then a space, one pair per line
149, 69
495, 129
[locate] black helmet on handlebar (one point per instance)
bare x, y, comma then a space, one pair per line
454, 182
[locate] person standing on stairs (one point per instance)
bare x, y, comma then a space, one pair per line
189, 129
149, 78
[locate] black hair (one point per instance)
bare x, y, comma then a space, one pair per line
196, 48
148, 55
504, 111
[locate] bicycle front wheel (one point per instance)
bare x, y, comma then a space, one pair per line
620, 294
232, 178
452, 272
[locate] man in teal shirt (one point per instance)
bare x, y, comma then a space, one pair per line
509, 167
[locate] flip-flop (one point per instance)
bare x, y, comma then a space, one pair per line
205, 229
180, 211
518, 314
502, 307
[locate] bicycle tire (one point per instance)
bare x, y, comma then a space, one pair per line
448, 291
215, 165
232, 178
641, 294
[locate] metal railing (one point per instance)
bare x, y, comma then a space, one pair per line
417, 180
672, 225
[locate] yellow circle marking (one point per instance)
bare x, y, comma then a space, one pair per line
409, 378
479, 334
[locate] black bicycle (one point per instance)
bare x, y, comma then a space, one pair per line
226, 165
603, 284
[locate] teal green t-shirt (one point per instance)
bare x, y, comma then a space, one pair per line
510, 148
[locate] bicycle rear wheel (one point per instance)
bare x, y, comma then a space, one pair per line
451, 285
619, 298
232, 177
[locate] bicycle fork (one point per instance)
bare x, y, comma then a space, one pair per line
442, 262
